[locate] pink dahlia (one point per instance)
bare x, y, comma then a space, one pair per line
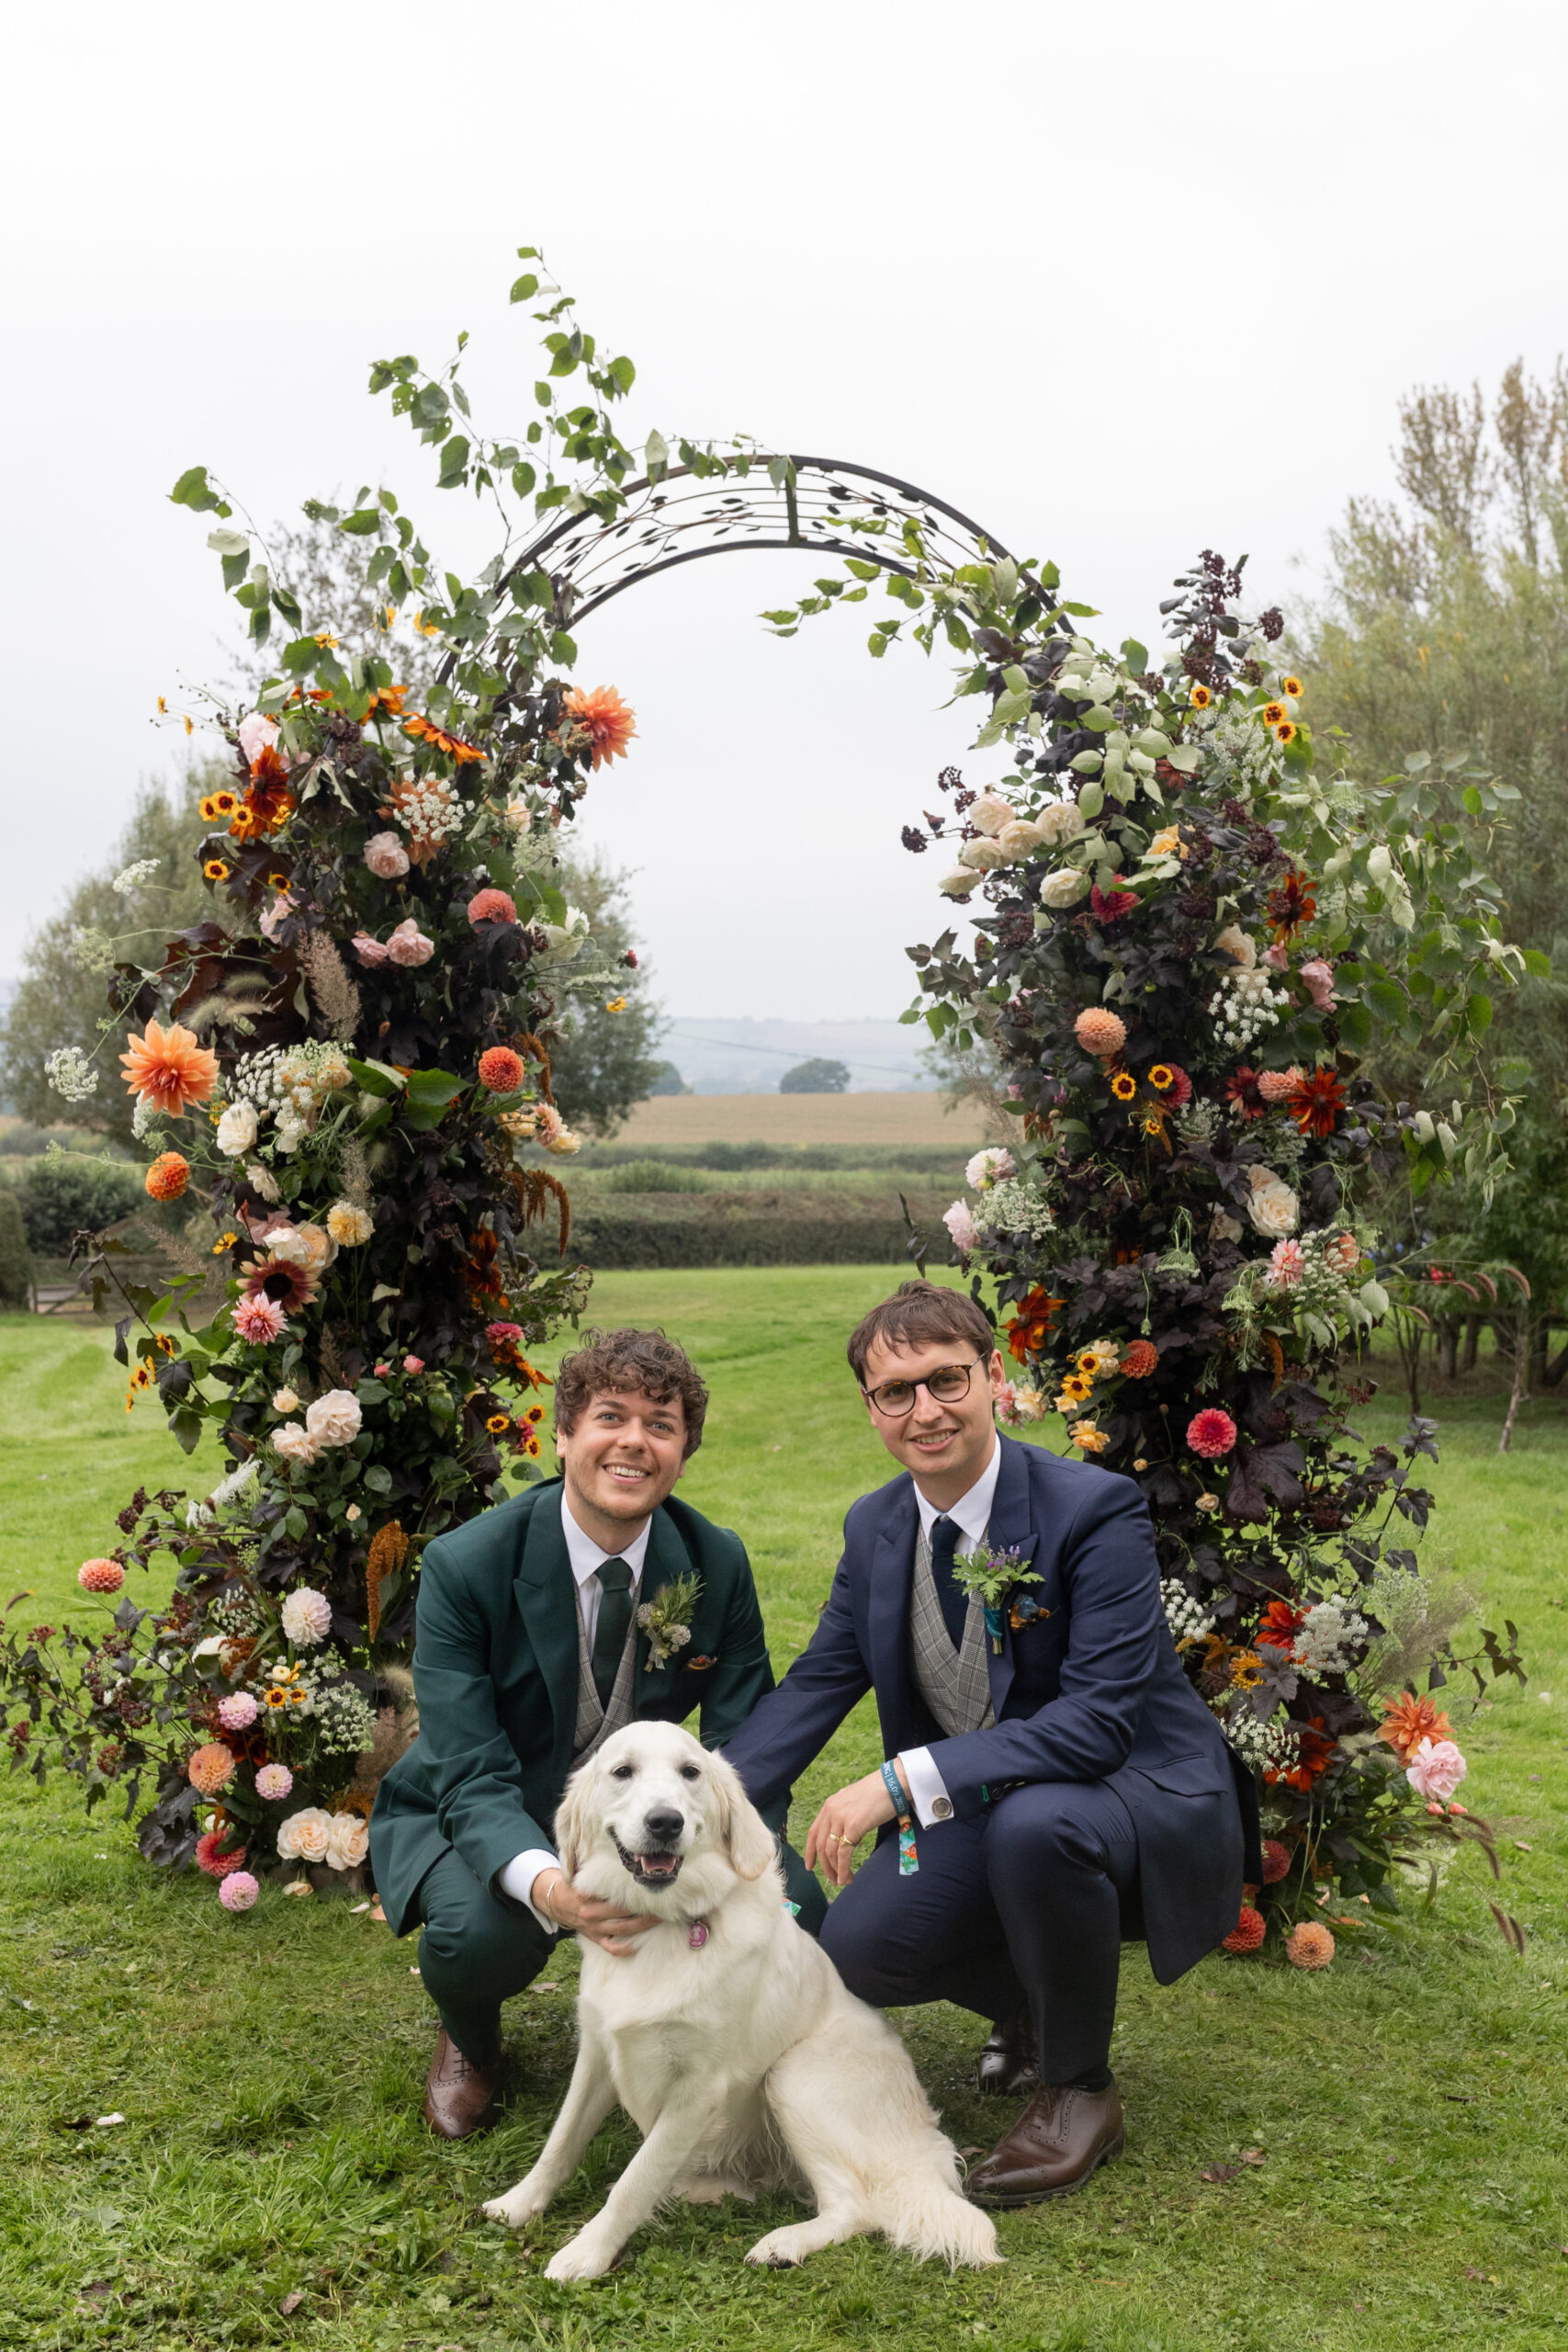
210, 1769
504, 1335
238, 1712
273, 1782
1310, 1945
491, 906
216, 1864
259, 1320
1286, 1265
1099, 1032
1276, 1085
100, 1575
1210, 1434
238, 1891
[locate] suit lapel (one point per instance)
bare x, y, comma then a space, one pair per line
892, 1573
1009, 1527
547, 1599
665, 1559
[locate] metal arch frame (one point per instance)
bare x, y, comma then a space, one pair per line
808, 504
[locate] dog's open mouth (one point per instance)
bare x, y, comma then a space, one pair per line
650, 1869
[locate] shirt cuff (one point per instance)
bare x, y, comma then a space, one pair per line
927, 1789
518, 1881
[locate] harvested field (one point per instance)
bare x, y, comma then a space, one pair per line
803, 1119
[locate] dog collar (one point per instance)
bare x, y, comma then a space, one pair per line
697, 1934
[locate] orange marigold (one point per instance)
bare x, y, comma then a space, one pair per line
168, 1176
610, 724
1310, 1945
1407, 1721
168, 1068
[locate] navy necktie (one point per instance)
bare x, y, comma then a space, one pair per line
610, 1632
955, 1600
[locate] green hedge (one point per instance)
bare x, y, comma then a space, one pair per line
612, 1240
67, 1189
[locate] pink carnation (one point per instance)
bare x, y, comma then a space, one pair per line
209, 1859
408, 945
1436, 1771
210, 1769
385, 856
962, 1227
273, 1782
414, 1363
238, 1891
260, 1319
1286, 1264
238, 1712
370, 952
1210, 1434
100, 1575
504, 1335
491, 906
1319, 978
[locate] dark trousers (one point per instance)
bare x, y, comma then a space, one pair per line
477, 1951
1025, 1905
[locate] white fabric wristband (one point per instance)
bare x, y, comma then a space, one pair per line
518, 1881
927, 1789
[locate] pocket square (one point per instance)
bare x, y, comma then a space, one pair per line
700, 1665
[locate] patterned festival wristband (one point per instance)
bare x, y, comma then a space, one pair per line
909, 1859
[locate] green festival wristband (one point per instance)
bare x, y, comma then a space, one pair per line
909, 1859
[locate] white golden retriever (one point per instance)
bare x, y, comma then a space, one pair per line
728, 2034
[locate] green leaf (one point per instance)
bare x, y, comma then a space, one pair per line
295, 1522
364, 520
1478, 1013
194, 490
623, 373
378, 1479
523, 289
1385, 1000
454, 463
1136, 656
1537, 964
433, 1088
377, 1077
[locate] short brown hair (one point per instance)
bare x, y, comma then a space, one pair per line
918, 1315
627, 1360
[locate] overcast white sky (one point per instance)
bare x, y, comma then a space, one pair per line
1119, 280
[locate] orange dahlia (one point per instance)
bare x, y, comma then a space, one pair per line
1291, 907
1279, 1626
1248, 1933
168, 1068
1407, 1721
1309, 1946
609, 723
1140, 1360
501, 1069
425, 730
168, 1176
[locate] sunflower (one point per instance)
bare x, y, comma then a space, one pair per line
278, 881
1272, 713
1286, 731
610, 724
224, 1241
279, 1278
1088, 1363
207, 807
268, 804
1162, 1078
1123, 1086
168, 1068
215, 870
1247, 1670
1293, 687
425, 731
1201, 698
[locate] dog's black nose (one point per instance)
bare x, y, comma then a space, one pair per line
663, 1823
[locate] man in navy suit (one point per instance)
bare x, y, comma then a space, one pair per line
1053, 1799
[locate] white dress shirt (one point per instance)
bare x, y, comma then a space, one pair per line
972, 1511
586, 1557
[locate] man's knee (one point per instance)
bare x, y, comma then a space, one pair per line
1039, 1830
468, 1930
865, 1947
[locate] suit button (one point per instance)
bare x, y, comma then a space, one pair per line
942, 1809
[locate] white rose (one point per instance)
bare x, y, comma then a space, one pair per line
1064, 887
982, 856
334, 1419
305, 1836
1273, 1208
348, 1841
236, 1129
289, 1132
261, 1179
959, 885
311, 1246
295, 1443
1019, 840
1062, 822
991, 813
1234, 941
1223, 1228
306, 1617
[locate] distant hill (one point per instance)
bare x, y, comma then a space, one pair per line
748, 1056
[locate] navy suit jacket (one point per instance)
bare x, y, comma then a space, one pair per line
1091, 1689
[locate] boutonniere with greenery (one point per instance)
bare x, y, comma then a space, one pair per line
667, 1619
989, 1575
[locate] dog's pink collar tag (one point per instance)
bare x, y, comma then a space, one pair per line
697, 1934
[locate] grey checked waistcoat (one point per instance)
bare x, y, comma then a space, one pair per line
955, 1687
594, 1724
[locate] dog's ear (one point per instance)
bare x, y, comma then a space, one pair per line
742, 1833
572, 1817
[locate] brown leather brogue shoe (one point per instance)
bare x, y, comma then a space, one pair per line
1006, 2062
1061, 2137
459, 2097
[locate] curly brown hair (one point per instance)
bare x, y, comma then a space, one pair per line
627, 1361
918, 1315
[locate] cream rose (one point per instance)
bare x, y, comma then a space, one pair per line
958, 884
262, 1181
305, 1836
349, 1226
1064, 887
295, 1443
1273, 1208
991, 813
236, 1129
1062, 822
1234, 941
982, 856
385, 856
1019, 840
348, 1841
334, 1419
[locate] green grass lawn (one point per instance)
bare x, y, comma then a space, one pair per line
1409, 2105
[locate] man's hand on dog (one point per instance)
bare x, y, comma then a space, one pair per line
604, 1924
845, 1819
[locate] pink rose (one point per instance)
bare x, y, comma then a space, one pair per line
962, 1227
275, 916
414, 1363
408, 945
1319, 978
385, 856
370, 952
1278, 958
258, 735
1436, 1771
381, 1370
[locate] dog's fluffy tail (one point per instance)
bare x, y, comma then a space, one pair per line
930, 2220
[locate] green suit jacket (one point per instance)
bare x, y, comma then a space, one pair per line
495, 1675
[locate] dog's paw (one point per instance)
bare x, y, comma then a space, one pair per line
775, 2252
583, 2257
518, 2206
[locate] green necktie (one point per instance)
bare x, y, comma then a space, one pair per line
610, 1633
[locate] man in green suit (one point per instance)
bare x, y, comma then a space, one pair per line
528, 1654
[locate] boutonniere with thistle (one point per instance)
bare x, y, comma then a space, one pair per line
667, 1620
991, 1575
